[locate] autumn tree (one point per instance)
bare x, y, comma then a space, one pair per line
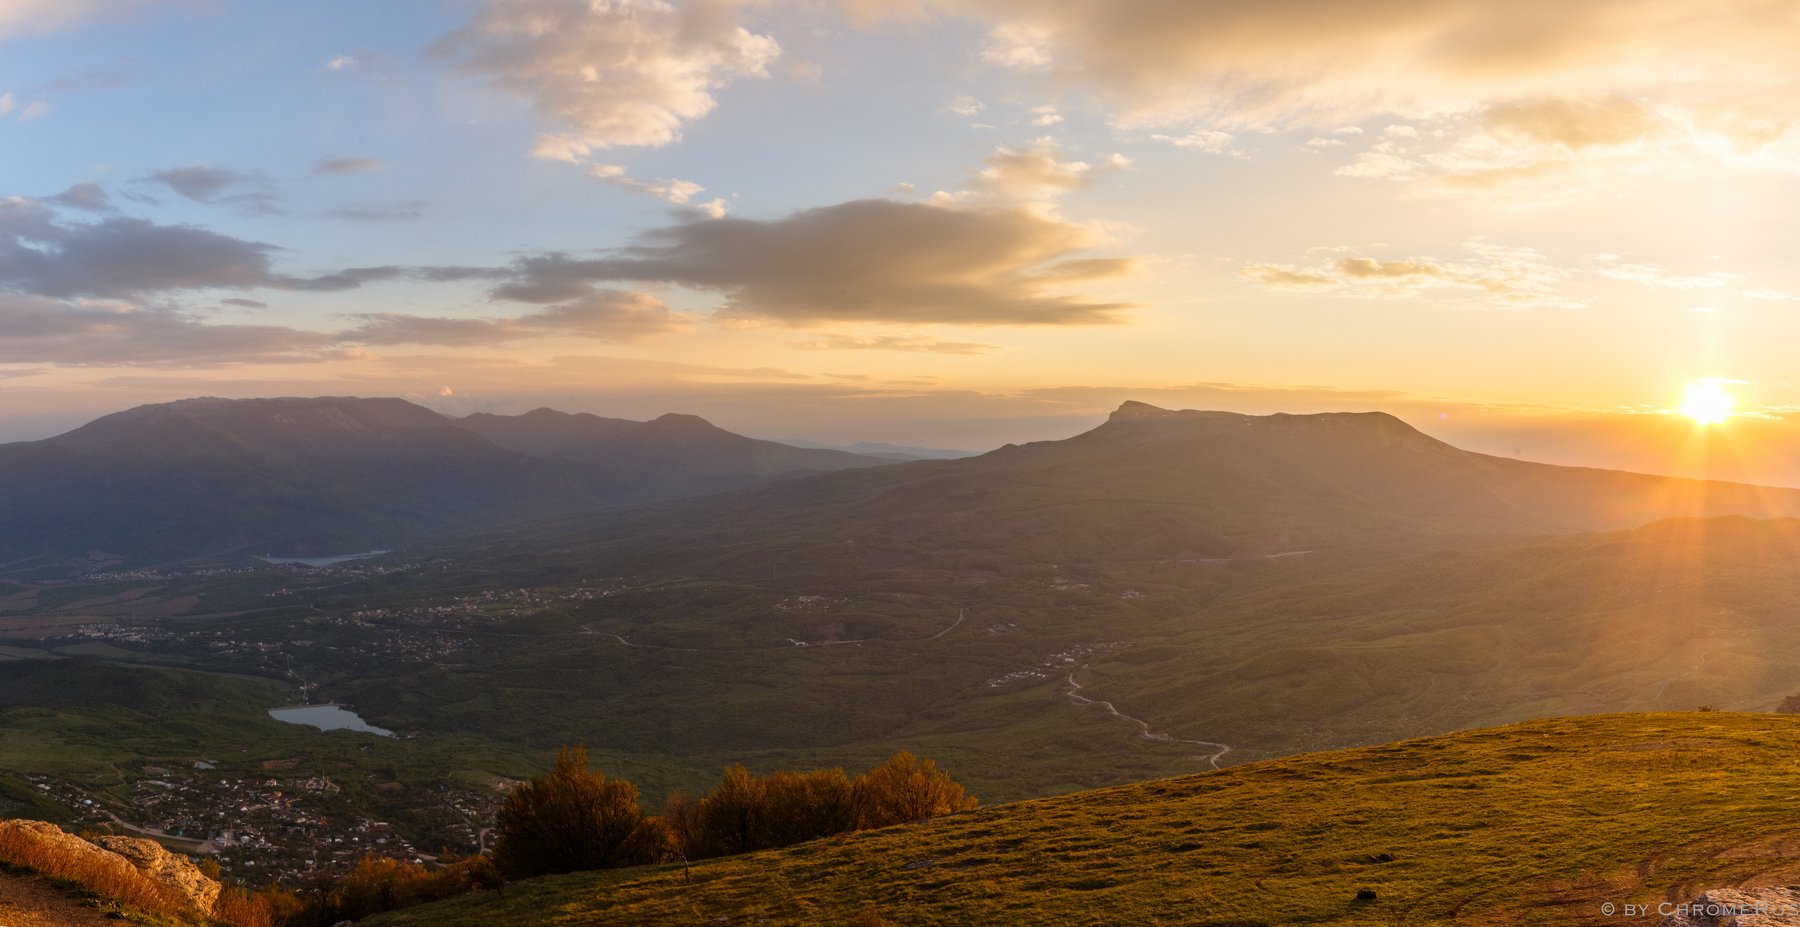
570, 820
905, 789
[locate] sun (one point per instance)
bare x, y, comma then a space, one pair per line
1707, 403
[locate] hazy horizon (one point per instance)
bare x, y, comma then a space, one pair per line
1526, 229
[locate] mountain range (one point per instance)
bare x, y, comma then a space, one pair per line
1156, 485
336, 475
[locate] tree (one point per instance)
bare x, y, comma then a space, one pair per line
906, 789
570, 820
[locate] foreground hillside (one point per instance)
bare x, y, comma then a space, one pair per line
1537, 823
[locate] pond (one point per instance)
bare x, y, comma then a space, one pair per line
327, 718
322, 561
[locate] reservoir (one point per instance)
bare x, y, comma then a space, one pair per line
327, 718
322, 561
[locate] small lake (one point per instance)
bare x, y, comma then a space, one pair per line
322, 561
327, 718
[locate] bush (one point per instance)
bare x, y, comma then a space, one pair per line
907, 789
570, 820
378, 885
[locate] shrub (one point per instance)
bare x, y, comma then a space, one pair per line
907, 789
570, 820
378, 884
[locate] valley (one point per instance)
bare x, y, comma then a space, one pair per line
959, 609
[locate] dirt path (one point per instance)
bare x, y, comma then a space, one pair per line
1144, 731
27, 901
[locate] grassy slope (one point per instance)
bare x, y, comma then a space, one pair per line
1535, 823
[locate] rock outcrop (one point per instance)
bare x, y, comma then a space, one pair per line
1731, 907
171, 869
146, 856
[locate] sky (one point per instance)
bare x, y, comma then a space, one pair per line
1526, 227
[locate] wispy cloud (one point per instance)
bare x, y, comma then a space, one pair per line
1506, 276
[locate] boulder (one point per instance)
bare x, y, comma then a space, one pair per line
171, 869
147, 856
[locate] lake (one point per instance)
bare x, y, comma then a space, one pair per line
327, 718
322, 561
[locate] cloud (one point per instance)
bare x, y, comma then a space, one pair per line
27, 17
679, 192
1032, 174
349, 165
866, 260
608, 315
1616, 268
1384, 160
609, 73
964, 105
7, 103
402, 213
202, 184
1322, 63
1539, 98
128, 258
89, 332
1572, 124
1211, 141
1766, 294
89, 196
895, 343
1508, 276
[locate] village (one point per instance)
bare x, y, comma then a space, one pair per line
292, 830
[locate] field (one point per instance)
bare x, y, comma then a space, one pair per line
1535, 823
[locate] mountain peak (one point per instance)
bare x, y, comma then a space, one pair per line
1132, 410
680, 420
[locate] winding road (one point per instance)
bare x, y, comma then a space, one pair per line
1144, 730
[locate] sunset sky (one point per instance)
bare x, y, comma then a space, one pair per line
1526, 227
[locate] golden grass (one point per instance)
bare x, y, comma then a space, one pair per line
1536, 823
109, 877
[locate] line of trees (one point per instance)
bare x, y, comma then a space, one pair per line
575, 818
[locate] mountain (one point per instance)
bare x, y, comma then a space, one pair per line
333, 475
671, 455
884, 449
1157, 485
1552, 822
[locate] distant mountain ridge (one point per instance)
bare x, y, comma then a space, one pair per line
339, 474
1156, 484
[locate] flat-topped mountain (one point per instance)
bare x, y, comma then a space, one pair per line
333, 475
1154, 484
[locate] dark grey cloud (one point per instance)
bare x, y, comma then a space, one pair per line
245, 303
202, 184
866, 260
348, 165
121, 257
89, 196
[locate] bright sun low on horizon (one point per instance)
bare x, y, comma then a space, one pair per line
1707, 403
